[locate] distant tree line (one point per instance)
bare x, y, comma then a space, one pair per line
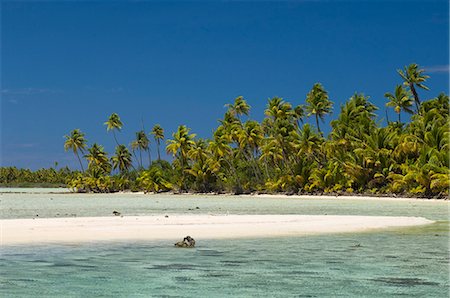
14, 177
283, 154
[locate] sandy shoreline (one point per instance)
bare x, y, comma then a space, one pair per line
285, 196
175, 227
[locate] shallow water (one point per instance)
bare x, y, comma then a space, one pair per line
28, 205
411, 262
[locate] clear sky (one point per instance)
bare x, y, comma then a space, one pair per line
67, 65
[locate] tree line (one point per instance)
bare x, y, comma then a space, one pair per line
14, 177
283, 154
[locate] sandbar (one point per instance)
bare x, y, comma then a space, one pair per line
175, 227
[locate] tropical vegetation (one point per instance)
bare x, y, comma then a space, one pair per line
284, 153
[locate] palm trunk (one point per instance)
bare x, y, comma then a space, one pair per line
252, 160
159, 155
135, 157
416, 96
149, 158
183, 184
79, 160
267, 170
233, 169
399, 120
115, 138
317, 123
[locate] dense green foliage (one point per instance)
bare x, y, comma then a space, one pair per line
13, 177
283, 154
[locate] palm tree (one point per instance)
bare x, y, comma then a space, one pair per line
158, 135
76, 142
249, 138
179, 147
280, 123
122, 159
153, 180
114, 123
308, 142
142, 143
299, 113
318, 103
239, 107
413, 76
98, 159
400, 100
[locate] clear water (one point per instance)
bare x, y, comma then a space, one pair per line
412, 262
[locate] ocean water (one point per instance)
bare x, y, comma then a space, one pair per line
407, 262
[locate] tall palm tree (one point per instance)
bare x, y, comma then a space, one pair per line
413, 77
122, 159
141, 143
318, 103
280, 123
179, 146
158, 135
77, 143
400, 100
114, 124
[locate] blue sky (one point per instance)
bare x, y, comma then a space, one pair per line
67, 65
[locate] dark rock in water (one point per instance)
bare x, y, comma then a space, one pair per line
116, 213
187, 242
166, 216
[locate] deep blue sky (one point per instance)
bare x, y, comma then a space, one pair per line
71, 64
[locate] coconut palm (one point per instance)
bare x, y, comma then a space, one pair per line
318, 103
141, 143
413, 77
77, 143
308, 142
114, 124
179, 147
400, 100
153, 180
299, 112
158, 135
98, 161
239, 107
122, 159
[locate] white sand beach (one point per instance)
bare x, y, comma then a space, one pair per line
175, 227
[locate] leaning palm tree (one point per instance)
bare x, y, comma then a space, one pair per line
413, 77
158, 135
122, 159
76, 142
318, 103
400, 100
114, 124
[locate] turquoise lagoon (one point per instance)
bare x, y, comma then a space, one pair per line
408, 262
